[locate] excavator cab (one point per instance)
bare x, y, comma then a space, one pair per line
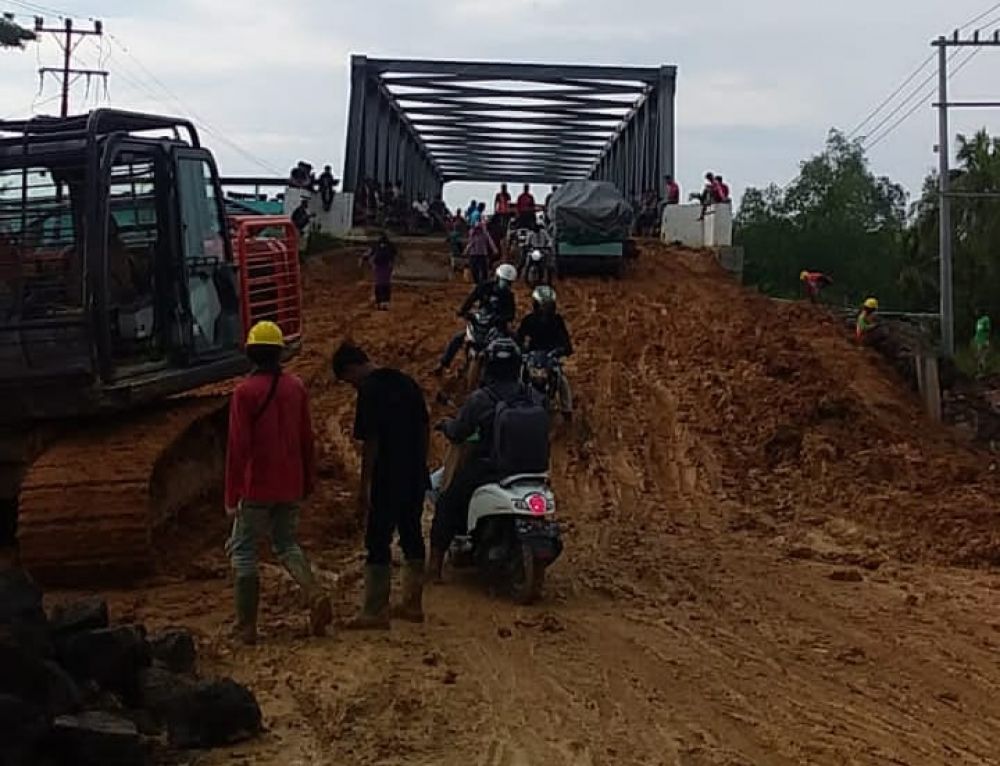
121, 279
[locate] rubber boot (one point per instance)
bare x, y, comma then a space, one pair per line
320, 609
411, 605
374, 613
435, 566
247, 598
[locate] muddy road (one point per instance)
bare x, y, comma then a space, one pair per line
771, 557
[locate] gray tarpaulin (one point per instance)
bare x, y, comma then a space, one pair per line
589, 212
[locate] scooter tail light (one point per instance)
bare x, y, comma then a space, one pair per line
537, 504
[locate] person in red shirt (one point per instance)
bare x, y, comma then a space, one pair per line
270, 469
722, 190
813, 283
673, 191
526, 210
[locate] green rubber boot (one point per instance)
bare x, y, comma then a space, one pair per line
247, 598
320, 609
411, 605
374, 613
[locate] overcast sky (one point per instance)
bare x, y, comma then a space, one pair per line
760, 82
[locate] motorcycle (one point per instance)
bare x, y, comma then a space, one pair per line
481, 328
511, 533
536, 269
543, 371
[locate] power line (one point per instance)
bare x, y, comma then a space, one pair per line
912, 76
875, 141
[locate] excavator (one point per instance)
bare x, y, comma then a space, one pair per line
125, 296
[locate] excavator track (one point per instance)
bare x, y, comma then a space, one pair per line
92, 504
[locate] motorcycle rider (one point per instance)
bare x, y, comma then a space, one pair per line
476, 418
544, 329
540, 239
498, 296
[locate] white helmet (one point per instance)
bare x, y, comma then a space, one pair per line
536, 255
506, 273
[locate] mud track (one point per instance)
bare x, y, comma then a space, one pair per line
772, 558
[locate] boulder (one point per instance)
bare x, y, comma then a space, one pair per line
86, 614
36, 680
211, 714
161, 688
21, 612
174, 648
23, 725
98, 739
113, 657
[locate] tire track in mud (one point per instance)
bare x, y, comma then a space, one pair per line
676, 629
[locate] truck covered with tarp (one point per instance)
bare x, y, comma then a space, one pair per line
591, 222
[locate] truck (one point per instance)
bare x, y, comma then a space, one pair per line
590, 223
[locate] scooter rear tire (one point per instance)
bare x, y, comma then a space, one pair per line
527, 576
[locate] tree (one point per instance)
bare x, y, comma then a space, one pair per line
836, 217
12, 35
976, 231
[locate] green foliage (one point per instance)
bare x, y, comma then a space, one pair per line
835, 217
12, 35
976, 223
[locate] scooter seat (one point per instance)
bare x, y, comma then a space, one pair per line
522, 478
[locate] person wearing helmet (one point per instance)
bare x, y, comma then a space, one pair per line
544, 329
813, 283
498, 296
476, 421
867, 320
540, 240
270, 469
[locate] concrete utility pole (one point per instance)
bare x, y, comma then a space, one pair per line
944, 223
68, 47
943, 44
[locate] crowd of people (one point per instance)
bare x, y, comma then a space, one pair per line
271, 457
649, 206
386, 206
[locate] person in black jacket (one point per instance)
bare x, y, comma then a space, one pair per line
498, 295
544, 329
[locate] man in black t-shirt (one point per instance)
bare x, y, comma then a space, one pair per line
392, 421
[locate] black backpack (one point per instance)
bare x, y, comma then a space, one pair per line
520, 433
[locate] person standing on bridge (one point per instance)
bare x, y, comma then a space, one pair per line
526, 210
392, 422
327, 188
479, 250
270, 469
501, 207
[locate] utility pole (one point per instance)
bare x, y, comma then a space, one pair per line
944, 221
943, 44
65, 37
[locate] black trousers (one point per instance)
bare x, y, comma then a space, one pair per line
383, 293
479, 265
452, 509
452, 349
327, 197
391, 512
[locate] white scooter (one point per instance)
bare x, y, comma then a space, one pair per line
511, 533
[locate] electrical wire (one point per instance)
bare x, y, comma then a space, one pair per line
875, 140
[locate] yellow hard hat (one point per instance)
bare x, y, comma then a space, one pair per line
871, 303
265, 334
803, 276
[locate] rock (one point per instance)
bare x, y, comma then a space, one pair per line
212, 713
160, 687
504, 632
175, 649
113, 657
86, 614
846, 575
36, 680
98, 739
23, 725
21, 612
450, 678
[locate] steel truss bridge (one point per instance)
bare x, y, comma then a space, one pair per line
425, 123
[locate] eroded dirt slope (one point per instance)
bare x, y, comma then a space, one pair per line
762, 539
